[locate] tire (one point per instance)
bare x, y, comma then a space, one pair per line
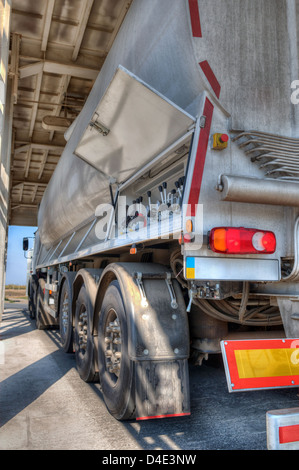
30, 306
31, 309
32, 298
116, 371
40, 316
43, 320
84, 342
66, 329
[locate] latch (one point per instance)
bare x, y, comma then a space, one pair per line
99, 127
202, 121
169, 284
140, 285
192, 293
161, 276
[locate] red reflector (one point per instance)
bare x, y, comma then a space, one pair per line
232, 240
187, 238
176, 415
288, 434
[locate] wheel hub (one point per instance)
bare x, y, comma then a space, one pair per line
82, 331
65, 314
113, 344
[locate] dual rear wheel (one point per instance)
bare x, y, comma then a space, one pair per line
116, 370
104, 357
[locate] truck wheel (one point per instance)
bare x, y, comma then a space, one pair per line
31, 309
84, 343
40, 317
66, 318
116, 371
30, 306
32, 287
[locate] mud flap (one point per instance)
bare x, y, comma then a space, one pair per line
162, 389
160, 349
158, 338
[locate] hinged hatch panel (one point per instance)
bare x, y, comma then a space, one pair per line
131, 125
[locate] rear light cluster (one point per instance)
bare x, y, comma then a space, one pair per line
244, 241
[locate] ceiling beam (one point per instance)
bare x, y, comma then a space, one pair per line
84, 16
32, 15
21, 192
28, 183
59, 69
43, 164
28, 161
31, 69
71, 69
14, 65
63, 86
120, 20
47, 23
35, 188
35, 146
32, 206
38, 86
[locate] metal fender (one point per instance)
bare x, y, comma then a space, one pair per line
157, 320
69, 278
90, 278
158, 337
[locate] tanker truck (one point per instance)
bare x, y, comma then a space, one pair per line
169, 230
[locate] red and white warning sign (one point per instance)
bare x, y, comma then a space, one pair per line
283, 429
266, 364
261, 364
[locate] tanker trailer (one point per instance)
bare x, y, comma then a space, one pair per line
169, 230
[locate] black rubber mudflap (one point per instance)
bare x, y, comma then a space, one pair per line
162, 389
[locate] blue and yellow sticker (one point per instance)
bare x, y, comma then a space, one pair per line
190, 268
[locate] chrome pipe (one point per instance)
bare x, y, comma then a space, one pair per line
258, 191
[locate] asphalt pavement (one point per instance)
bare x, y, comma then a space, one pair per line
44, 405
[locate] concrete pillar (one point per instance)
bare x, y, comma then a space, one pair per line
6, 105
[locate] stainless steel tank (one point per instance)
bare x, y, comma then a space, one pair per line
239, 51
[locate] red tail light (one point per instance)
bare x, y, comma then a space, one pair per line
237, 241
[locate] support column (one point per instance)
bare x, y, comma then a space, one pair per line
6, 110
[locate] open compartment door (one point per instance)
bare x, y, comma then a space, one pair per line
131, 125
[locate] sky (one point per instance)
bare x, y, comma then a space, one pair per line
16, 268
